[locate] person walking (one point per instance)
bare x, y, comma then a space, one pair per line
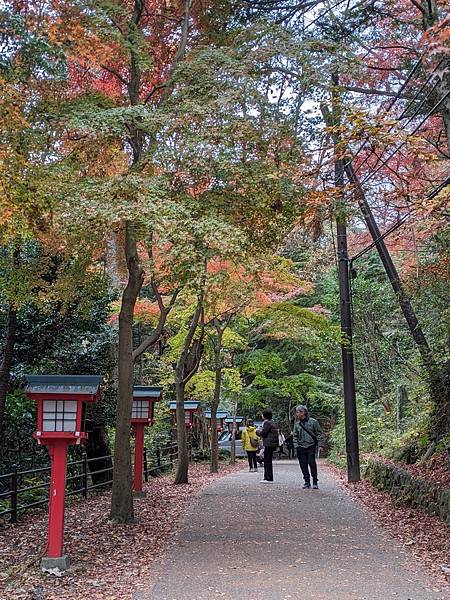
269, 435
250, 443
307, 437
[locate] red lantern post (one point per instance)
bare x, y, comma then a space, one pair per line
220, 416
190, 409
142, 415
61, 410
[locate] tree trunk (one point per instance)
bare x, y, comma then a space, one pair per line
5, 366
216, 399
111, 260
438, 379
187, 365
122, 490
183, 454
402, 401
98, 446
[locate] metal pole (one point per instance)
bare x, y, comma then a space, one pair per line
348, 371
14, 485
85, 475
145, 465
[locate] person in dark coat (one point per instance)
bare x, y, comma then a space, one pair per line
269, 435
307, 437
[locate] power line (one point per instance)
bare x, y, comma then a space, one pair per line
319, 17
402, 128
410, 103
394, 152
400, 222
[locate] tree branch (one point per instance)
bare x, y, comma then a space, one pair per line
179, 53
115, 73
154, 90
418, 5
371, 91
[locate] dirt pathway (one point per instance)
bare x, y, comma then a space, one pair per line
243, 540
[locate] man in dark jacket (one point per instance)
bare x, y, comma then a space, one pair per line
307, 437
269, 435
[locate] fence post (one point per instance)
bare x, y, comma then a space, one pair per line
171, 456
158, 457
14, 485
145, 465
85, 475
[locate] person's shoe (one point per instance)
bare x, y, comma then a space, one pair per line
306, 486
315, 486
265, 481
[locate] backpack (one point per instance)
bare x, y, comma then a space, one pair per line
254, 443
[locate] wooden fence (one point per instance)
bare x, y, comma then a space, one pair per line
19, 489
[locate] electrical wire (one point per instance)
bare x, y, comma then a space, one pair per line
319, 17
402, 128
405, 110
400, 146
400, 222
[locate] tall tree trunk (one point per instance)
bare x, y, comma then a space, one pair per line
187, 365
438, 379
216, 399
122, 490
111, 260
183, 454
8, 354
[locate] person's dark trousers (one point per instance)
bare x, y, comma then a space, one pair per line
268, 466
307, 460
251, 455
290, 452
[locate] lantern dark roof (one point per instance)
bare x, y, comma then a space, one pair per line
230, 419
187, 405
63, 384
146, 391
221, 414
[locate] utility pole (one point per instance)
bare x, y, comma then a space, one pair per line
348, 370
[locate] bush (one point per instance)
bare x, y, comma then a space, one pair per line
201, 455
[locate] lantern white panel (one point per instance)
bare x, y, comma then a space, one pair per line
140, 409
59, 415
187, 416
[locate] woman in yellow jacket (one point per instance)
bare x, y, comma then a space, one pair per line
250, 443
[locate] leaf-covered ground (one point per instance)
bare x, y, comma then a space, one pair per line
428, 537
109, 561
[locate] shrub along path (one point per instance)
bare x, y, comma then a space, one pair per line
244, 540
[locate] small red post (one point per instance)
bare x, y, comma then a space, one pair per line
58, 455
138, 456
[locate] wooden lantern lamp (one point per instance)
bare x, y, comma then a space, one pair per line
61, 414
142, 415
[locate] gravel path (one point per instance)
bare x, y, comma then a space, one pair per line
248, 541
